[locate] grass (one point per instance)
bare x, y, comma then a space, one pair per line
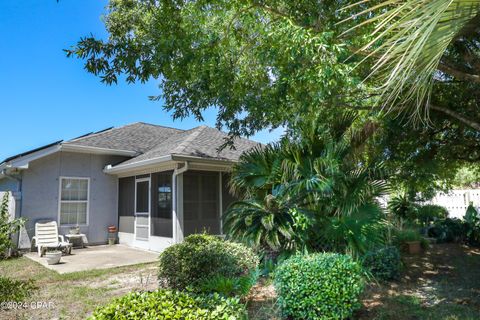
74, 295
441, 284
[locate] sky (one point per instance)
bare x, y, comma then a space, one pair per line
46, 96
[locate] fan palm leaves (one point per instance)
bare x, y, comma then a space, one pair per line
289, 190
409, 41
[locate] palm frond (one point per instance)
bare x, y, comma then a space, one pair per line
409, 40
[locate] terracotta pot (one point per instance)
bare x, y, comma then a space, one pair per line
414, 247
112, 229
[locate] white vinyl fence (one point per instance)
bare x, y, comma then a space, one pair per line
11, 204
457, 201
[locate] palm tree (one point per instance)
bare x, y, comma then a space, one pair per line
418, 42
308, 185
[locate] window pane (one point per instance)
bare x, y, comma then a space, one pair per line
142, 196
73, 213
74, 189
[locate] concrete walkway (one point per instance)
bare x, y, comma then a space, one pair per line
97, 257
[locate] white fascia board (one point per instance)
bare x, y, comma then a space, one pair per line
96, 150
22, 162
136, 165
204, 160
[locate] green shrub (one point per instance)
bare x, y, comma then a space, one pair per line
401, 237
7, 228
203, 257
430, 212
168, 304
230, 286
318, 286
383, 263
15, 290
472, 221
448, 230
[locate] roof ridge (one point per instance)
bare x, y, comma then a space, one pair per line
192, 136
100, 132
159, 125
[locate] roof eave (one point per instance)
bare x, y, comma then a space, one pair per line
143, 164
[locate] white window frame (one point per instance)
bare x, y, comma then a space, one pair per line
61, 178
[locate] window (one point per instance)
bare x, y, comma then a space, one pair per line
73, 201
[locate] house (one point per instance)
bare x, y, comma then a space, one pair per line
156, 184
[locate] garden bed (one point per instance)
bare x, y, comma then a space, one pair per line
442, 283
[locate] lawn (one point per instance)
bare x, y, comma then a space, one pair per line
75, 295
443, 283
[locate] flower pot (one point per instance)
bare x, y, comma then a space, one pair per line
112, 229
75, 230
414, 247
111, 241
53, 257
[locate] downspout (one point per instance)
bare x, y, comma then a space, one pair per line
176, 222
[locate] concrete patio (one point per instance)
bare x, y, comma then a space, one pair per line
97, 257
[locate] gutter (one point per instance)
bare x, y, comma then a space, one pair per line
155, 161
178, 216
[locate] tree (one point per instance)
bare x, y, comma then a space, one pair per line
310, 193
418, 45
260, 63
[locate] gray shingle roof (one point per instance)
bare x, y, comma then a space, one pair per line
139, 137
201, 142
150, 141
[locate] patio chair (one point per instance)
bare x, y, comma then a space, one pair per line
46, 236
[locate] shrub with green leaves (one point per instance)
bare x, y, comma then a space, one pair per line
448, 230
383, 263
319, 286
230, 286
7, 228
202, 257
167, 304
402, 237
15, 290
430, 212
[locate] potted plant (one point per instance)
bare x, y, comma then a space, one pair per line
75, 230
53, 257
112, 237
410, 240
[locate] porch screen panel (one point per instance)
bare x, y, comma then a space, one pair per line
126, 204
161, 217
201, 203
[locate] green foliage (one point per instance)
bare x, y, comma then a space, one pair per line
318, 286
472, 220
202, 257
230, 286
296, 188
403, 206
237, 55
401, 237
15, 290
166, 304
429, 213
448, 230
7, 227
384, 263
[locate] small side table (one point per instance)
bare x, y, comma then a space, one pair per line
77, 240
